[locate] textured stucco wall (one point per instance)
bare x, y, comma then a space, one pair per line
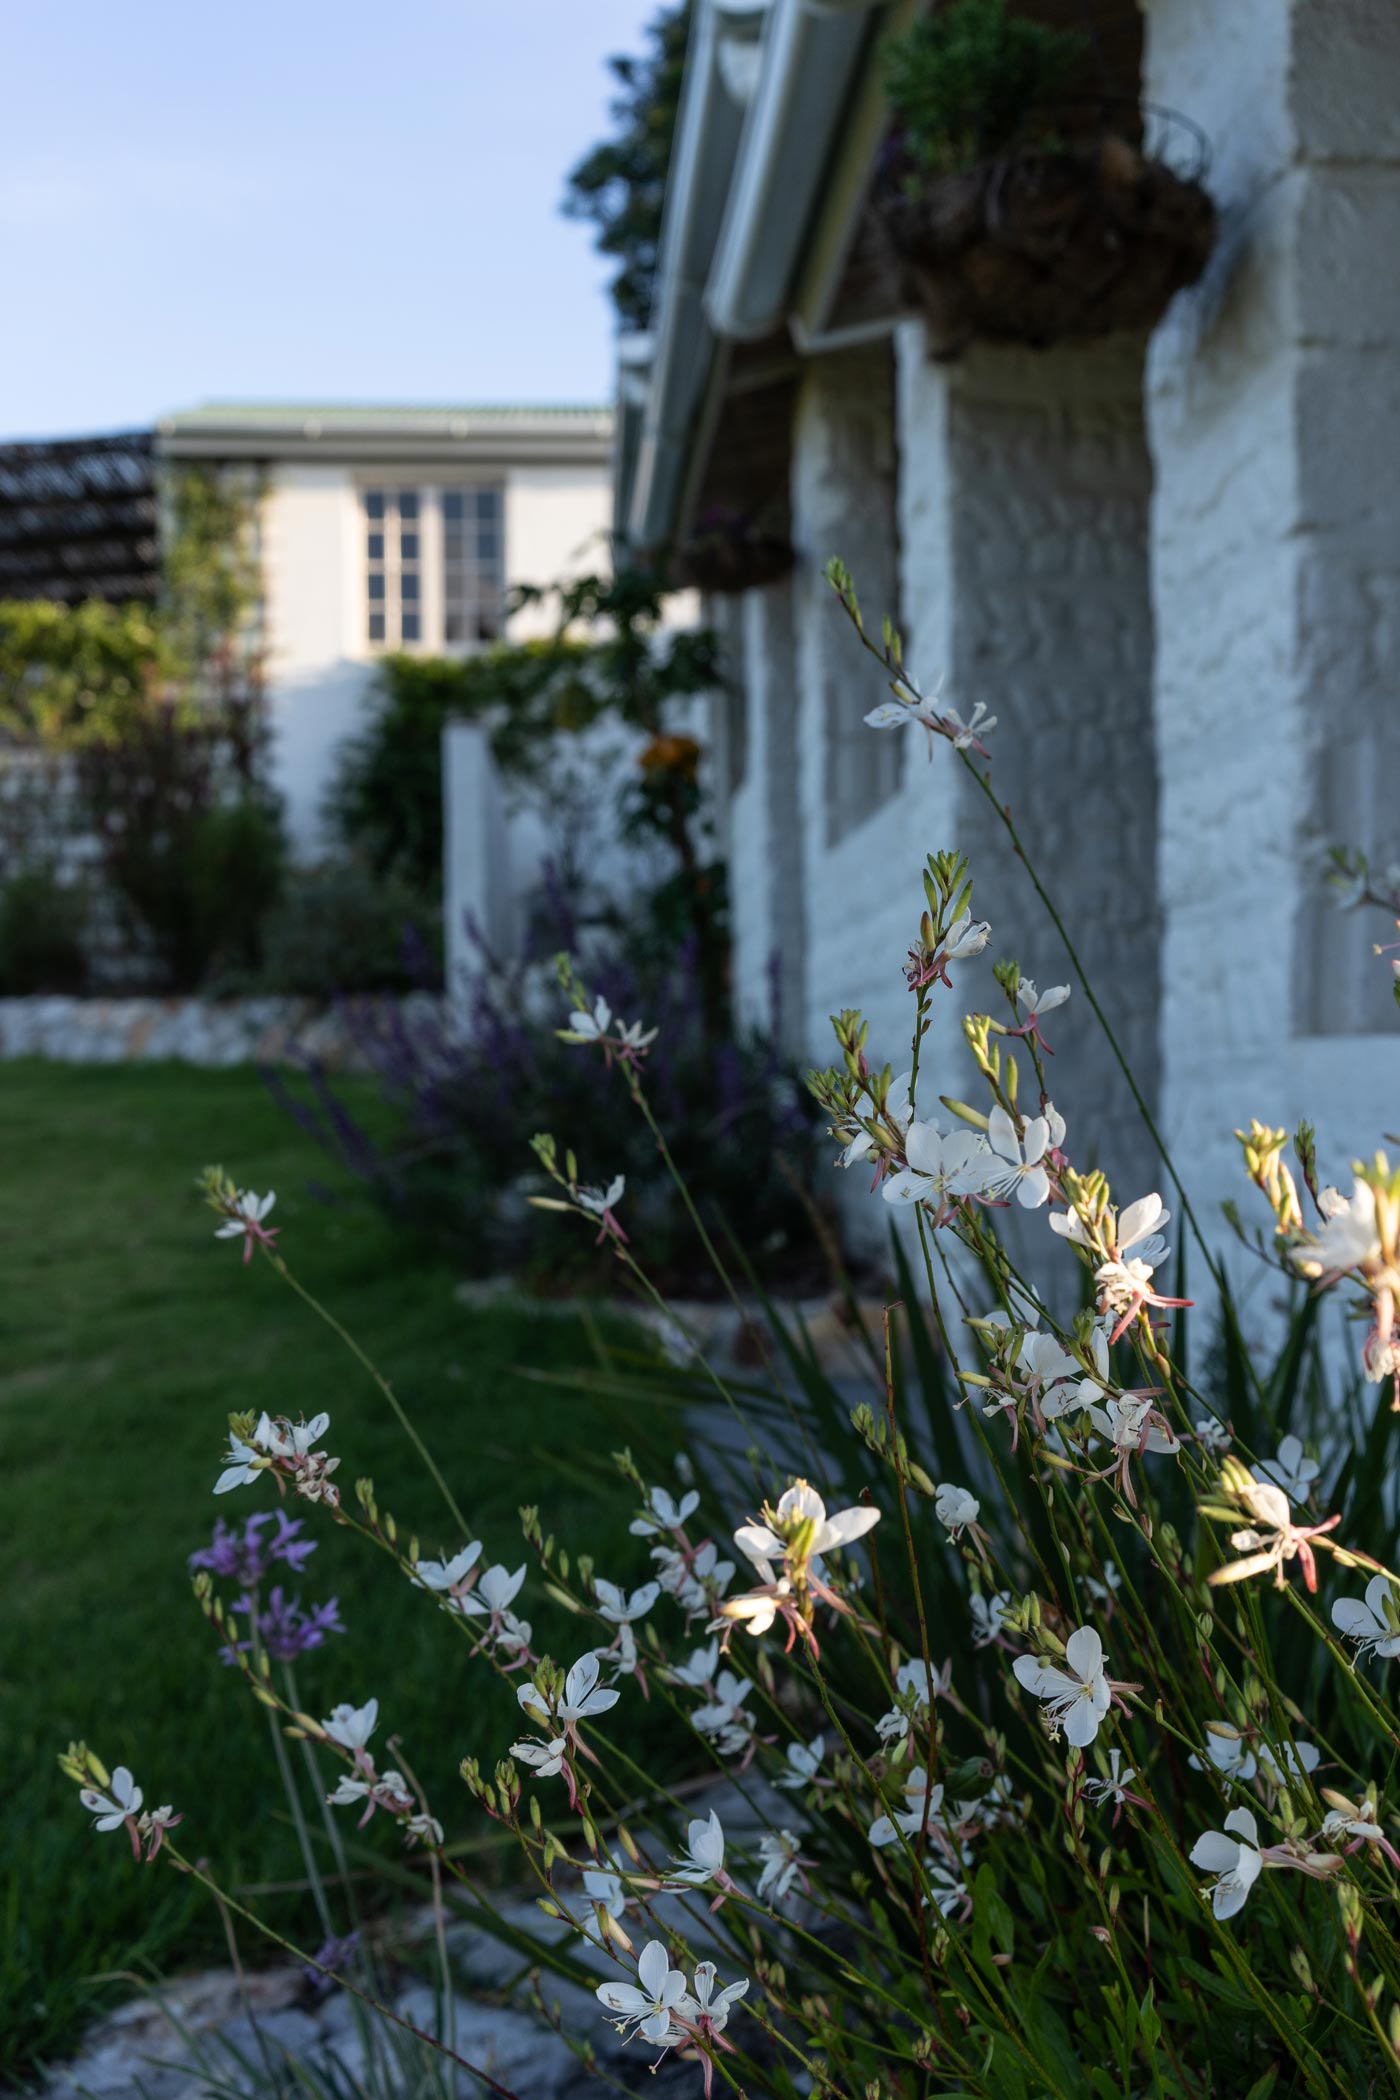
1274, 416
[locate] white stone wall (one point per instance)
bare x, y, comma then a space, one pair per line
1052, 632
763, 834
1275, 429
1010, 548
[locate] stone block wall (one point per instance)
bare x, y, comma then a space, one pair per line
1274, 415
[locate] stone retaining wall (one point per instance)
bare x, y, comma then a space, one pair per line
203, 1031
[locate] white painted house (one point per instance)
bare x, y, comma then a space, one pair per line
385, 529
1170, 566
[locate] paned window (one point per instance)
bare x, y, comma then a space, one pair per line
434, 566
473, 584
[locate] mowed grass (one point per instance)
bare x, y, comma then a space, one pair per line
127, 1333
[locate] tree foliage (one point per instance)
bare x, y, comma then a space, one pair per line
621, 184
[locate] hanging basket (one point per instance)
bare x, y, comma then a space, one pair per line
1042, 246
725, 555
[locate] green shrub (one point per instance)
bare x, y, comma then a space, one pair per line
969, 81
43, 923
340, 928
385, 800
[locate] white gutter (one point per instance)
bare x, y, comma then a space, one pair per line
810, 57
744, 188
708, 132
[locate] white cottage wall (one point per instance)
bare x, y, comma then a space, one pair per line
1275, 429
317, 675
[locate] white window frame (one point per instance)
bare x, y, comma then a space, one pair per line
431, 562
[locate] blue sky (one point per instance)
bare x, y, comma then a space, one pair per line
298, 200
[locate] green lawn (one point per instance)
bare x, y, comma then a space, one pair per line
127, 1333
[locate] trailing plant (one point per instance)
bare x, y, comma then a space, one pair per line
972, 80
1060, 1642
621, 184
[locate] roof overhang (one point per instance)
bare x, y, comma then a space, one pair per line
469, 437
747, 197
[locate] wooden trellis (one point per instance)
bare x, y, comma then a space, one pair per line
78, 518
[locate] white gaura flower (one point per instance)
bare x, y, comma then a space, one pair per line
803, 1528
1280, 1540
1124, 1281
1292, 1470
580, 1699
602, 1885
955, 1507
710, 2010
1133, 1425
786, 1550
1104, 1589
646, 2006
603, 1201
1211, 1435
544, 1759
618, 1608
1233, 1855
965, 938
1115, 1787
696, 1580
909, 706
1035, 1005
495, 1593
967, 736
778, 1851
352, 1726
920, 1804
592, 1027
1043, 1361
1290, 1764
118, 1805
938, 1163
1076, 1696
350, 1789
804, 1762
947, 1891
703, 1858
1019, 1165
698, 1669
1374, 1625
1349, 1239
243, 1462
987, 1625
663, 1513
725, 1720
1072, 1393
1228, 1752
447, 1574
1358, 1820
911, 1690
246, 1222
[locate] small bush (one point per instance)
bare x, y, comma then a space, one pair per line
43, 923
341, 928
968, 82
